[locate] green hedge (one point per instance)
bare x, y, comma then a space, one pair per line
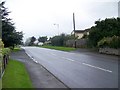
5, 51
1, 44
112, 42
1, 48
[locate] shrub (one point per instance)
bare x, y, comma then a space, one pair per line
1, 48
104, 42
112, 42
6, 51
1, 44
115, 43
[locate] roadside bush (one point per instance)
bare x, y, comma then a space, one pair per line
60, 40
6, 51
3, 51
115, 43
1, 44
111, 42
1, 48
104, 42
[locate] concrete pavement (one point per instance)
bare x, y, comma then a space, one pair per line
40, 77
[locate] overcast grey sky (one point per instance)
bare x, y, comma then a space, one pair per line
37, 17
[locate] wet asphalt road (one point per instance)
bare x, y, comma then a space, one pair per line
78, 70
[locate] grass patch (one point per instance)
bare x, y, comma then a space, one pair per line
16, 49
16, 76
59, 48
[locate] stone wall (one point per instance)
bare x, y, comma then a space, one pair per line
111, 51
81, 43
78, 43
70, 43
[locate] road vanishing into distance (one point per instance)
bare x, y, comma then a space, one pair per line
78, 70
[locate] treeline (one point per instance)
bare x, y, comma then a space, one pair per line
58, 40
34, 41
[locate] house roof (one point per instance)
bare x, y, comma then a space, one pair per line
87, 29
81, 31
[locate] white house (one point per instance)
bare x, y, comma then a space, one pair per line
80, 33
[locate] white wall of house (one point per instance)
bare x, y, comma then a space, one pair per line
87, 33
79, 35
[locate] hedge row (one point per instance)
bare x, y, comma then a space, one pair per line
111, 42
1, 48
3, 51
4, 56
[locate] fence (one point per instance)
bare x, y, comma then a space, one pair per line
3, 64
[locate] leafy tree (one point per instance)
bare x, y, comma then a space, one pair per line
60, 40
42, 39
32, 40
10, 36
28, 40
104, 28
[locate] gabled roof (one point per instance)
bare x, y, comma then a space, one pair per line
81, 31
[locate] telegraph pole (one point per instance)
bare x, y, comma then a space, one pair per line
74, 23
74, 28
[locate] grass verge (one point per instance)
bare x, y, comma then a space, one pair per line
16, 76
59, 48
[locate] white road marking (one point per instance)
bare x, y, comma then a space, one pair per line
35, 60
97, 67
76, 61
28, 54
53, 54
68, 59
31, 57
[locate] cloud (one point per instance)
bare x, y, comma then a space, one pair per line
37, 17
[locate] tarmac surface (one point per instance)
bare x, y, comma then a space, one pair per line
78, 69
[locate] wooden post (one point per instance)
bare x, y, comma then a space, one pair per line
74, 28
74, 23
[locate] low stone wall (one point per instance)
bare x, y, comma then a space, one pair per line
79, 43
70, 43
111, 51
